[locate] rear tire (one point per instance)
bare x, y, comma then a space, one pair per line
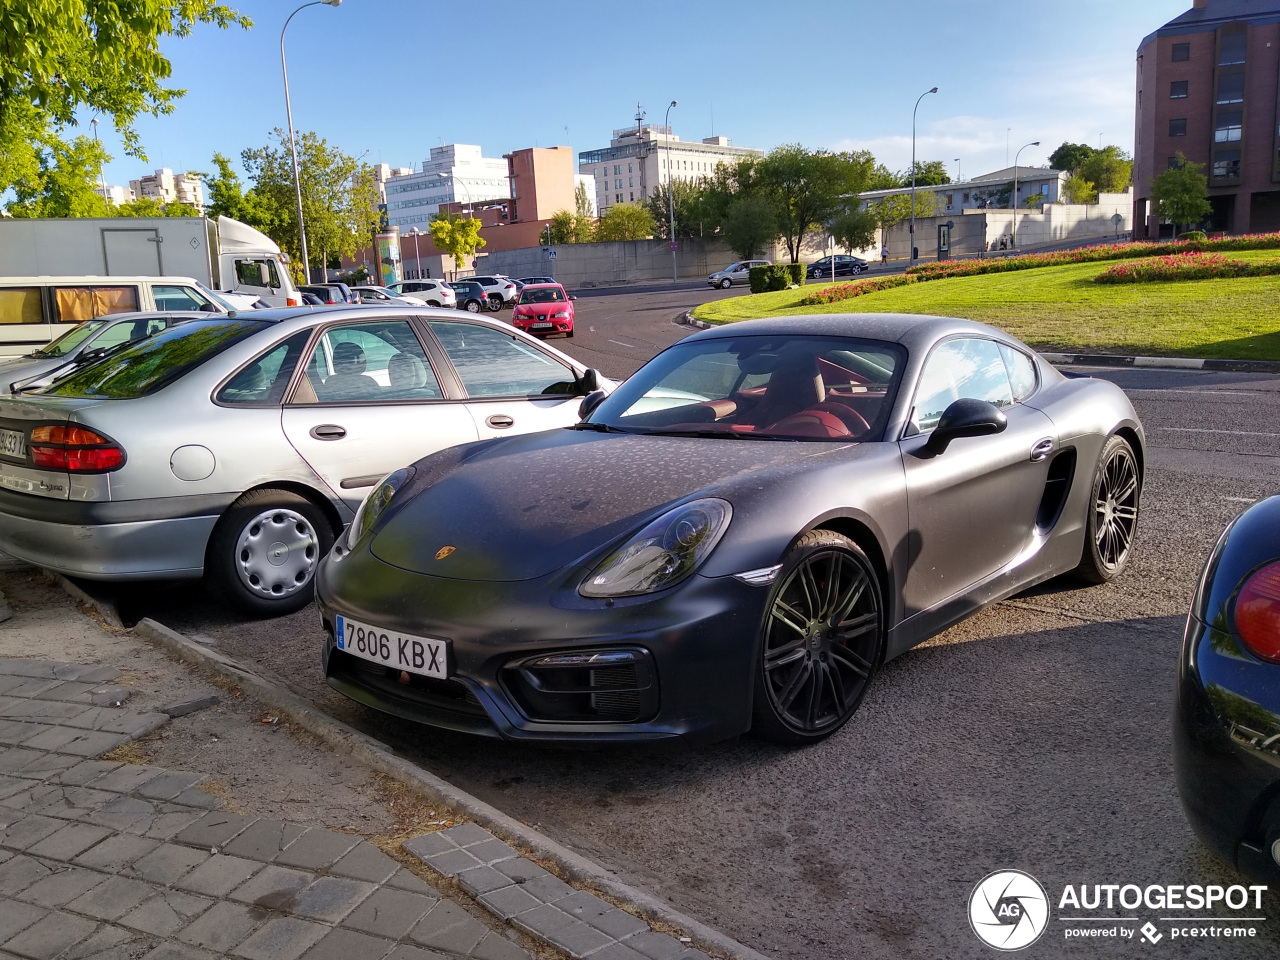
264, 551
1113, 514
495, 303
432, 303
473, 306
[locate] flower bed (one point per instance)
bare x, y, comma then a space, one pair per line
847, 291
1192, 265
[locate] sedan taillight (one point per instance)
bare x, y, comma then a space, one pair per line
73, 449
1257, 613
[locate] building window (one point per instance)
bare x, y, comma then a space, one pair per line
1229, 126
617, 197
1231, 88
617, 169
1181, 51
633, 197
1178, 128
1231, 47
629, 170
966, 198
1177, 89
1173, 163
1226, 164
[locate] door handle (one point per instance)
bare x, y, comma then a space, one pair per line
500, 421
1041, 449
328, 431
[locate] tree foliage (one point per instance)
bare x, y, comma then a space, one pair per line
1069, 156
929, 173
896, 208
1076, 189
103, 56
750, 225
1110, 169
855, 229
151, 207
810, 188
65, 183
690, 207
626, 221
457, 236
227, 198
1181, 193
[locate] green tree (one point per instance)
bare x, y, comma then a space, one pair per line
1033, 201
583, 209
66, 181
929, 173
1070, 156
151, 207
457, 236
855, 229
882, 178
750, 226
691, 207
98, 56
1109, 169
561, 226
1076, 189
227, 198
811, 187
339, 196
625, 221
896, 208
1181, 193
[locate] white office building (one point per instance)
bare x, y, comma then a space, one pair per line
455, 172
639, 159
167, 187
985, 191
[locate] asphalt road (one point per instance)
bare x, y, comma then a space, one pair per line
1034, 736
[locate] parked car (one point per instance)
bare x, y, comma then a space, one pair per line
470, 296
1227, 720
237, 448
331, 293
436, 293
500, 290
845, 266
87, 340
739, 272
737, 537
543, 309
385, 297
528, 280
311, 300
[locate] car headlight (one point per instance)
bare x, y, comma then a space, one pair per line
377, 501
665, 552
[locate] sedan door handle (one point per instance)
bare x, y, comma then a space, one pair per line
500, 421
328, 431
1041, 449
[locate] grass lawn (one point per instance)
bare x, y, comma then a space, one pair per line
1062, 309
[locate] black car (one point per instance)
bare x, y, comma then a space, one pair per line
1227, 721
471, 296
331, 293
736, 538
846, 266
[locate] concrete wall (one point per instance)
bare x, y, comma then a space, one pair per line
595, 264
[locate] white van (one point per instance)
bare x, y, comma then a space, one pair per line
36, 310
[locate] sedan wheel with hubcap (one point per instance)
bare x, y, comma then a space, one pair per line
725, 283
823, 639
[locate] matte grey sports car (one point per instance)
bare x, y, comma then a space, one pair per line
737, 538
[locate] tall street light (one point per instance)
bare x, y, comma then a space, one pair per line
293, 145
1034, 143
671, 197
101, 173
417, 257
913, 172
465, 188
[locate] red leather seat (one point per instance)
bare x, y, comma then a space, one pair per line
814, 422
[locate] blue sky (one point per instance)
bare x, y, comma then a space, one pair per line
388, 79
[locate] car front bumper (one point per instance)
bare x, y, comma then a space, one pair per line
694, 647
557, 326
1227, 750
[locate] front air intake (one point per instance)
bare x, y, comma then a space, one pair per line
615, 685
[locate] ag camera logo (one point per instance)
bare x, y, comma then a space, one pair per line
1008, 910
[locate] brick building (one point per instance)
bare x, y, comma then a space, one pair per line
1208, 84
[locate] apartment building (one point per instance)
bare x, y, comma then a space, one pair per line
167, 187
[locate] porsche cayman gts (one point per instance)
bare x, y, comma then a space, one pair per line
737, 538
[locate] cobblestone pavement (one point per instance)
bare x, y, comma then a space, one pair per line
100, 859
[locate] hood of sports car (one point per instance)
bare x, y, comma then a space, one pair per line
526, 506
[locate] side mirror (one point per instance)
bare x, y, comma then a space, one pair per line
572, 297
590, 402
209, 308
965, 418
589, 382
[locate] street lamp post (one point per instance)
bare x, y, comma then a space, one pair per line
958, 178
417, 257
913, 172
293, 145
671, 197
1034, 143
465, 189
102, 176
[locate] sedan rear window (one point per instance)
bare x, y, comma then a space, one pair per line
149, 365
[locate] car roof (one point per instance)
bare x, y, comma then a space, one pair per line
151, 314
912, 330
553, 283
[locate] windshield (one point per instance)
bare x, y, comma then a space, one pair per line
71, 339
215, 298
153, 363
542, 295
761, 387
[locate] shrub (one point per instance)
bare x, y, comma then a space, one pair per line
759, 277
1193, 235
847, 291
796, 272
1185, 266
775, 276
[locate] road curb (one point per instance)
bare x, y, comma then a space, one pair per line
686, 319
379, 757
1168, 363
105, 610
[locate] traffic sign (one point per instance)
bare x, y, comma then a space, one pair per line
673, 246
551, 254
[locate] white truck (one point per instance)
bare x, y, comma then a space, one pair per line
224, 255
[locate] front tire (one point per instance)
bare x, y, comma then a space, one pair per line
726, 283
822, 640
264, 552
1113, 514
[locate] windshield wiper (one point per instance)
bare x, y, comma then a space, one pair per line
597, 427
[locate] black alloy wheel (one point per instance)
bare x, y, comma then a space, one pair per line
823, 640
1113, 514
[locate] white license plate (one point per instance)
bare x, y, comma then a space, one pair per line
426, 656
13, 443
542, 326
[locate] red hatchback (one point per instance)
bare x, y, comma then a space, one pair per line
543, 309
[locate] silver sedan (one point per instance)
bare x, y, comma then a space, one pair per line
238, 448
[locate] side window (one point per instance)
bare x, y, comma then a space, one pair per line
1022, 372
959, 370
126, 331
266, 378
177, 298
257, 273
368, 362
84, 303
20, 305
491, 363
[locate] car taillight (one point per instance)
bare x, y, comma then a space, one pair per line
294, 302
73, 449
1257, 613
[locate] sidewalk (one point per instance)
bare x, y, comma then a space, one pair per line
102, 856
